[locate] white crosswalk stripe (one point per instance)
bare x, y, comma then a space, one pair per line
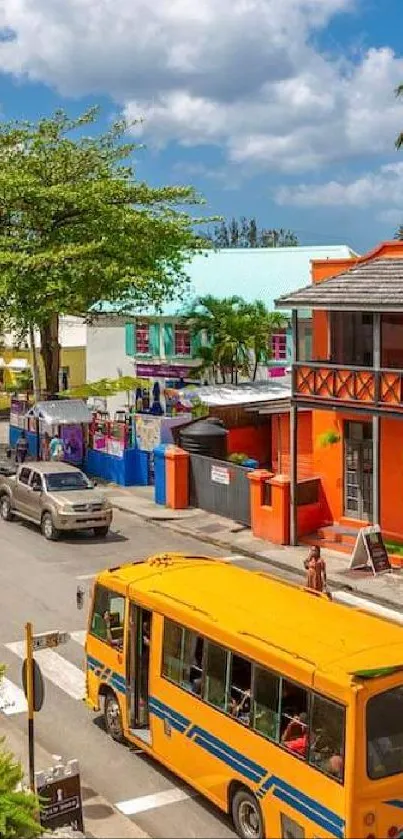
55, 668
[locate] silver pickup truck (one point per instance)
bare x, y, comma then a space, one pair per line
56, 496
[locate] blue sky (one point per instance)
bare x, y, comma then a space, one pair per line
281, 109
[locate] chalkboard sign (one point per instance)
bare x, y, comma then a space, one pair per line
60, 802
370, 551
376, 550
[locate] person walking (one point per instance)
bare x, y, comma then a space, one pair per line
21, 449
56, 448
316, 570
45, 447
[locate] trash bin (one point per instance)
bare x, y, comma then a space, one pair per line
159, 474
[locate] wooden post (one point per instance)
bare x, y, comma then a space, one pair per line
376, 422
293, 473
30, 700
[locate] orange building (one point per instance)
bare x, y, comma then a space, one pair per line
352, 384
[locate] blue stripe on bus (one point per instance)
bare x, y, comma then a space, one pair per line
395, 802
246, 766
303, 804
109, 676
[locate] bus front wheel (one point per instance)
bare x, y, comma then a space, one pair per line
247, 815
113, 717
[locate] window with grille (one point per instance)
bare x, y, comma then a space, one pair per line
182, 340
279, 346
142, 338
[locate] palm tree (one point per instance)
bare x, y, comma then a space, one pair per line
225, 330
263, 324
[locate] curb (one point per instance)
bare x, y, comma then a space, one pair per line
274, 563
101, 819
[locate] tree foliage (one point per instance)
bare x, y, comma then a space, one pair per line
18, 807
245, 233
76, 227
237, 335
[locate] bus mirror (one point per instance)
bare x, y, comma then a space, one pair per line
80, 597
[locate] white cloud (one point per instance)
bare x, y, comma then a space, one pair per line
383, 188
240, 74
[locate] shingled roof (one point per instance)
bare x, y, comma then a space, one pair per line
376, 285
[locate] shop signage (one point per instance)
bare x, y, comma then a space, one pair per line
220, 475
370, 551
59, 792
163, 371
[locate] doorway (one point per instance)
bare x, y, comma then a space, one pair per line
140, 647
358, 470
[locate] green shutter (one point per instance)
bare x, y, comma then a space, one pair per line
154, 339
169, 339
130, 339
195, 344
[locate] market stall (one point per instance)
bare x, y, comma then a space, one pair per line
68, 418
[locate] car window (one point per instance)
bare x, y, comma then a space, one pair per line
24, 476
36, 480
67, 481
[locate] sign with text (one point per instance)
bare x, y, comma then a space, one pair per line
220, 475
163, 371
370, 551
49, 639
59, 792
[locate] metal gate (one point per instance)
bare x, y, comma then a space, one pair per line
220, 487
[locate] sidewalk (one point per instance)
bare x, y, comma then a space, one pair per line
101, 820
386, 589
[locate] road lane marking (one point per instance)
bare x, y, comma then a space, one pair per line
87, 576
150, 802
12, 698
66, 676
79, 636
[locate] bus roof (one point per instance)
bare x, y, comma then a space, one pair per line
266, 613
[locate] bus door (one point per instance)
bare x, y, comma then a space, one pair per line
140, 626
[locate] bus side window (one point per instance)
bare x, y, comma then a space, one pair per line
215, 685
108, 617
266, 694
294, 718
326, 748
239, 699
171, 664
192, 662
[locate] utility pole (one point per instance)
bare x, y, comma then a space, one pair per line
30, 700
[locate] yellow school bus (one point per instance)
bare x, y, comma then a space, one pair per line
282, 707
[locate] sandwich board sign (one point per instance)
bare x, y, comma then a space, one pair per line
59, 791
370, 551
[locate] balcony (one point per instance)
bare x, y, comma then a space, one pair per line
317, 382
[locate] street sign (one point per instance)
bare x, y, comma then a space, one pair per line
39, 685
46, 640
59, 792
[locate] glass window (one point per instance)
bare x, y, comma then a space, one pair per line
266, 694
326, 747
352, 338
215, 687
142, 338
67, 481
172, 655
182, 340
279, 346
108, 617
294, 718
385, 734
239, 698
192, 662
24, 476
392, 340
36, 480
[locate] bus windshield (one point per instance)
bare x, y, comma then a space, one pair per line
385, 734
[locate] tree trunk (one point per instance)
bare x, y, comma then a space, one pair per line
255, 369
50, 351
35, 365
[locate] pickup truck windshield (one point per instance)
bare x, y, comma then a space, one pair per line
385, 734
66, 482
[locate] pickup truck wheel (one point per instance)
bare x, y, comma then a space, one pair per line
49, 531
5, 508
101, 531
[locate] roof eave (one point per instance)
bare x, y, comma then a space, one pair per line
338, 307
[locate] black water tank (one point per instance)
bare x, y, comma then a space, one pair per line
207, 436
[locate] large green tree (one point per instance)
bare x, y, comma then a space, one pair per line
245, 233
76, 227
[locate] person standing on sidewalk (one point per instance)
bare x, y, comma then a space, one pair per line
316, 570
21, 449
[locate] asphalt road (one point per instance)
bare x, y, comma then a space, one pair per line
38, 583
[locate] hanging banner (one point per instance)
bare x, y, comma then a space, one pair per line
370, 551
73, 443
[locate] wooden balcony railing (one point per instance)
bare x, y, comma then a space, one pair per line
335, 383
